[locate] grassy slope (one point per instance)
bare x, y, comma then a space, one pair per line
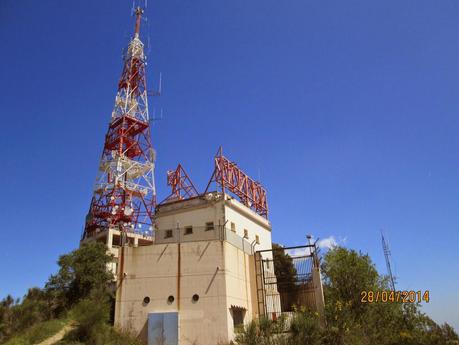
38, 332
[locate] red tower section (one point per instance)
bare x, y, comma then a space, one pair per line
124, 194
229, 177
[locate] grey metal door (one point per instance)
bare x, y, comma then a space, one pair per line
163, 328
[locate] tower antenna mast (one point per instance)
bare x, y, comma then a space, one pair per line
124, 195
387, 254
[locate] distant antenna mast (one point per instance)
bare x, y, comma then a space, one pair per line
387, 254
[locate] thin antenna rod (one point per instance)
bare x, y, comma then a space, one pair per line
387, 256
138, 14
160, 83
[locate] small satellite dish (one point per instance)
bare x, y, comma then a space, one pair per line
128, 211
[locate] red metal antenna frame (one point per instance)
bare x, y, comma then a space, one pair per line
181, 185
230, 177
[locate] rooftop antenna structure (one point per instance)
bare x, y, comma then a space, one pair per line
387, 255
228, 177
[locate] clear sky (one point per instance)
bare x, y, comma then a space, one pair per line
347, 111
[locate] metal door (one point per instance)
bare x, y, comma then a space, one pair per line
163, 329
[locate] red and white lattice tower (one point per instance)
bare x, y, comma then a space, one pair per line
124, 195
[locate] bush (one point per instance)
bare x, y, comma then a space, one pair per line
305, 329
91, 316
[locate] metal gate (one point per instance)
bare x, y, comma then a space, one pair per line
286, 279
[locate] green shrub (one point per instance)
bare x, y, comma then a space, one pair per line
305, 329
91, 316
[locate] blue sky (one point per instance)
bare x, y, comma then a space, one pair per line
346, 110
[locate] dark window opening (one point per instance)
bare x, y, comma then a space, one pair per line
146, 300
195, 298
116, 241
238, 314
188, 230
209, 226
168, 234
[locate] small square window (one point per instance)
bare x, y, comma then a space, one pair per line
209, 226
233, 227
188, 230
257, 239
246, 234
168, 234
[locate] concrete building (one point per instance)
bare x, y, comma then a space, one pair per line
197, 283
201, 266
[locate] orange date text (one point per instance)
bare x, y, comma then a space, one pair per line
390, 296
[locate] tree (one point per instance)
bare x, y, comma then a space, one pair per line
81, 272
348, 273
6, 317
285, 273
350, 321
284, 269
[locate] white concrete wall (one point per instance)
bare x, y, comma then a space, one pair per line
239, 282
196, 217
215, 270
202, 273
246, 219
195, 213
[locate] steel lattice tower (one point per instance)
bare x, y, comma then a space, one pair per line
387, 254
124, 195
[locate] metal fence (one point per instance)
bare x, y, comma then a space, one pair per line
285, 280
